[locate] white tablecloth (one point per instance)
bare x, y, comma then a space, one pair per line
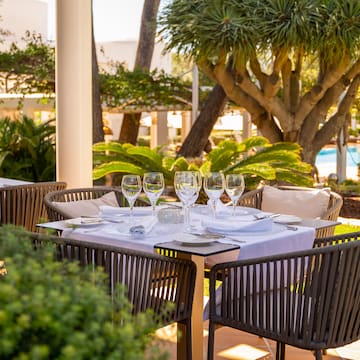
254, 244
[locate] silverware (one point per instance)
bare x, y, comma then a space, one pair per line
264, 216
290, 227
117, 221
211, 235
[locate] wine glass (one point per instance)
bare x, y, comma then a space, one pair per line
234, 187
198, 177
131, 188
154, 185
185, 187
214, 185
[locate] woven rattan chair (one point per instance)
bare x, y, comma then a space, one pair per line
152, 281
79, 194
23, 205
254, 199
308, 299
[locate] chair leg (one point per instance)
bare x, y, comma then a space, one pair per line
280, 351
188, 340
318, 354
211, 340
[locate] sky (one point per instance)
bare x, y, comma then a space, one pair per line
113, 19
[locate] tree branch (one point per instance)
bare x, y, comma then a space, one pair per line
310, 99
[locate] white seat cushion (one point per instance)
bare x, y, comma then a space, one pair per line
303, 203
73, 209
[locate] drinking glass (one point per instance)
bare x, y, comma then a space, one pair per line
197, 175
214, 185
185, 187
234, 187
154, 185
131, 188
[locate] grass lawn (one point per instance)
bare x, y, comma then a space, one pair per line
345, 228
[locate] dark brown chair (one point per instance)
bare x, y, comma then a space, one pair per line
308, 299
80, 194
23, 205
162, 284
254, 199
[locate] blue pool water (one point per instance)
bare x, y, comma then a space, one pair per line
326, 161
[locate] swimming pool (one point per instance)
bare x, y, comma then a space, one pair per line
326, 161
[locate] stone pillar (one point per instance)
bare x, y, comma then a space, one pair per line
159, 129
74, 92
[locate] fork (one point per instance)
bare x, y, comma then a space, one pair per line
264, 216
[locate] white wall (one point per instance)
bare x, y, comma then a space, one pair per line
19, 16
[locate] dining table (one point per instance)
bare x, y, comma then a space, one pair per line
11, 182
209, 240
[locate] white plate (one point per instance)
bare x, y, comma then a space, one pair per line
287, 219
86, 221
193, 240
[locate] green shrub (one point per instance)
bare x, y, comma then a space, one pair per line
57, 310
255, 157
27, 149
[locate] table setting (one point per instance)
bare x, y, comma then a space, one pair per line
190, 224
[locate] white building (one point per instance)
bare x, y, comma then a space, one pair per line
37, 16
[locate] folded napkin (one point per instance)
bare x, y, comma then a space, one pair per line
117, 210
234, 225
137, 228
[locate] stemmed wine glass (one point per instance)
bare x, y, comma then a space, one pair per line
199, 185
185, 184
154, 185
214, 185
234, 187
131, 188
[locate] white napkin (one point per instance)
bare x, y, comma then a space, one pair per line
234, 225
137, 227
117, 210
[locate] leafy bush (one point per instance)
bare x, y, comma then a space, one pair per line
27, 149
57, 310
255, 158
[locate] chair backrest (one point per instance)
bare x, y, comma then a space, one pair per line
23, 205
308, 299
152, 281
254, 199
57, 213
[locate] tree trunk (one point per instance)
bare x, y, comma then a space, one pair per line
98, 129
131, 122
130, 128
197, 138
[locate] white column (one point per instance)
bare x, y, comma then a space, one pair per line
185, 124
195, 94
246, 126
74, 92
159, 129
341, 150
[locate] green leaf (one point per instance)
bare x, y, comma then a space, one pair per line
116, 167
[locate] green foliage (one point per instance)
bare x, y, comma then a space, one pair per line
255, 157
31, 70
57, 310
122, 88
243, 28
27, 149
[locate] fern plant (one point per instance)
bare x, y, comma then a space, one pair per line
255, 157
